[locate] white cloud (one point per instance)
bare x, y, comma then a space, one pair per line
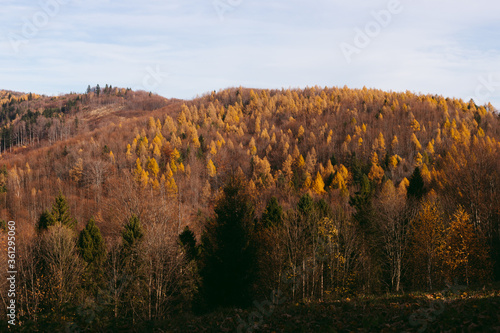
434, 47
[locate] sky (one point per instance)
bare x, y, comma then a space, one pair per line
186, 48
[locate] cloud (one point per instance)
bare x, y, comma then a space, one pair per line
433, 47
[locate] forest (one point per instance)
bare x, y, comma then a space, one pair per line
250, 210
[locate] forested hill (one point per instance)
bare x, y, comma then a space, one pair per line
392, 182
28, 118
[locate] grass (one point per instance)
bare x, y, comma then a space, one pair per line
465, 311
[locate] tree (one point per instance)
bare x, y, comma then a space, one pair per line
228, 255
44, 221
132, 233
61, 270
91, 244
153, 166
131, 265
427, 243
390, 206
93, 251
272, 215
466, 254
188, 242
212, 171
318, 185
60, 213
416, 188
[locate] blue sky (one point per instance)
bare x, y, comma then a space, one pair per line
186, 48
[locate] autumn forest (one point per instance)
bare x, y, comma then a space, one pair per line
134, 212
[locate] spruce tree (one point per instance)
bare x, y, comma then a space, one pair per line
228, 254
93, 251
273, 214
60, 213
91, 244
416, 188
132, 233
188, 242
44, 221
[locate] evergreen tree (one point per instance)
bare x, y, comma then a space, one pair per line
416, 188
188, 242
228, 255
273, 214
305, 204
60, 212
132, 233
44, 221
91, 244
93, 251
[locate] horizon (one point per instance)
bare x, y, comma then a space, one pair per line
497, 109
186, 49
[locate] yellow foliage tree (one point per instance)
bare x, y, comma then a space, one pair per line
394, 143
153, 166
174, 158
300, 133
376, 173
212, 171
415, 126
318, 185
76, 172
128, 153
427, 242
252, 147
415, 142
466, 256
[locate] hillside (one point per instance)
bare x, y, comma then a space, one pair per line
340, 192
